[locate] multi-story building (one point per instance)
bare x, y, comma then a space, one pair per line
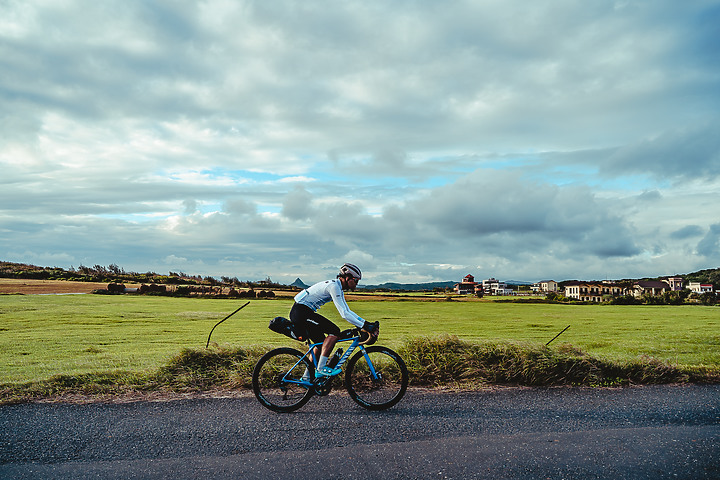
583, 291
591, 291
468, 286
493, 286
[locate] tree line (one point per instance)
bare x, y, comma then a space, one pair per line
116, 274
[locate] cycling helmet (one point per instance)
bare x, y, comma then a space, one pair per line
350, 270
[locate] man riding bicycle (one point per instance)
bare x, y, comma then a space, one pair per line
304, 314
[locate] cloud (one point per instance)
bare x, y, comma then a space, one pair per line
688, 231
256, 138
190, 206
651, 196
368, 84
487, 214
297, 205
709, 246
678, 154
486, 207
239, 206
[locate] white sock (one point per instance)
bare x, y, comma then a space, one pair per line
322, 361
306, 375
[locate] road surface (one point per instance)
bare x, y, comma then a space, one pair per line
642, 432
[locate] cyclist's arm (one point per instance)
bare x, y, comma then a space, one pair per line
342, 307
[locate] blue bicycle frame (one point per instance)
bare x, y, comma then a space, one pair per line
375, 377
311, 354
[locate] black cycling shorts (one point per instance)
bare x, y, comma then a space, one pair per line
317, 325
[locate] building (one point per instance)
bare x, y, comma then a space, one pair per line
493, 286
650, 287
591, 291
583, 291
675, 283
468, 286
697, 287
545, 286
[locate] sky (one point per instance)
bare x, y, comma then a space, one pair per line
422, 141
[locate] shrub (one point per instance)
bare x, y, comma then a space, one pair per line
625, 300
449, 360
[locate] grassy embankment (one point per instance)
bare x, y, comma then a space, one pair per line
111, 344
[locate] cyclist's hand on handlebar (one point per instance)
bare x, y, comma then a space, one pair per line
372, 328
369, 333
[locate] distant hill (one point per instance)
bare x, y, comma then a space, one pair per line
408, 287
711, 275
299, 283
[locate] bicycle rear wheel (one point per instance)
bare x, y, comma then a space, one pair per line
276, 376
376, 378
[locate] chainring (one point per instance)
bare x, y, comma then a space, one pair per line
323, 386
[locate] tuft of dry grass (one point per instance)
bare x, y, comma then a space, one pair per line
202, 369
447, 360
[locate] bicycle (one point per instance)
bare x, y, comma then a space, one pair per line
376, 377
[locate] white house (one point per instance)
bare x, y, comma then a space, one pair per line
493, 286
545, 286
676, 283
698, 287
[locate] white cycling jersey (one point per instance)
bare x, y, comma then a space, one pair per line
321, 293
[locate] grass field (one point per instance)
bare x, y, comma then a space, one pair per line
43, 336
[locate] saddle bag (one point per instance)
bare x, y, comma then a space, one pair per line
286, 327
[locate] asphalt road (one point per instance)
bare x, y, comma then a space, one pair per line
644, 432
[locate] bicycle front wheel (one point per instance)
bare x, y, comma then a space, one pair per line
277, 377
376, 378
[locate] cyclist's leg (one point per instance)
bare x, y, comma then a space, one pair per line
333, 332
321, 326
316, 326
298, 316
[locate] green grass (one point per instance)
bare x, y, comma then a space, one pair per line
134, 337
41, 336
686, 335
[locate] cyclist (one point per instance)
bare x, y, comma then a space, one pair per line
304, 314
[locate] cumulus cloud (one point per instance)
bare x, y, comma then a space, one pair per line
499, 213
256, 138
297, 205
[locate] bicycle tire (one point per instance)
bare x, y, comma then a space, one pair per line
376, 393
268, 384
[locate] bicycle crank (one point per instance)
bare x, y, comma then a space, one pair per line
323, 386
